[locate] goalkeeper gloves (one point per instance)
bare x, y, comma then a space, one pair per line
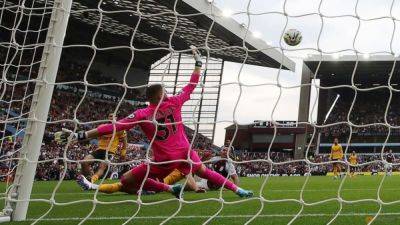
196, 56
61, 137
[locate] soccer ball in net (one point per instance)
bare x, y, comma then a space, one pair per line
292, 37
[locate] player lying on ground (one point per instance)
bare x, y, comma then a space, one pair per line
191, 184
170, 141
336, 156
219, 164
106, 144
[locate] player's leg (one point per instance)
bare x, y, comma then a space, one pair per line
104, 188
339, 168
235, 179
386, 166
388, 169
86, 165
335, 171
176, 175
99, 154
130, 183
232, 173
202, 171
173, 177
351, 171
351, 168
100, 172
133, 179
334, 167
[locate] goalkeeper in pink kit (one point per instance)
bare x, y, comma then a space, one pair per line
170, 141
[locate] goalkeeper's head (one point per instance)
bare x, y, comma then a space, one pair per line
155, 93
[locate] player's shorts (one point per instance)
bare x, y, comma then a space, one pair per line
160, 171
336, 161
203, 184
353, 169
101, 154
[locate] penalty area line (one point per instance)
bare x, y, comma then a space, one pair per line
219, 216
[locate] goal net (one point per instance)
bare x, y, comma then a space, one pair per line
76, 64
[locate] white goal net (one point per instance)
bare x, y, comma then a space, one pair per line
73, 63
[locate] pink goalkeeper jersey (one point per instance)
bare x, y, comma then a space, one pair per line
170, 142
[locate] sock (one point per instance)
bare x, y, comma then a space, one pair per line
94, 178
218, 179
110, 188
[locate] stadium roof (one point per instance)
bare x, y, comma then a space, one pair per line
368, 69
157, 22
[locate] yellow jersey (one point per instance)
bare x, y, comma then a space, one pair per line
104, 141
353, 159
336, 151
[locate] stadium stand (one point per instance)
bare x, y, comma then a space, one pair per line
66, 98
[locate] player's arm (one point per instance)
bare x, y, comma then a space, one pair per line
232, 173
186, 91
126, 123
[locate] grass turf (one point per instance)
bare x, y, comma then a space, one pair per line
279, 208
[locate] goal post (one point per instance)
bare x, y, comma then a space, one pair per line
19, 194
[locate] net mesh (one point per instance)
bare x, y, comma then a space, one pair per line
84, 96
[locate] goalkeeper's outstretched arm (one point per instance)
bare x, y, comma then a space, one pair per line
184, 94
197, 58
123, 124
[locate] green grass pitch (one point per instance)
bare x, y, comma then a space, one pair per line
283, 190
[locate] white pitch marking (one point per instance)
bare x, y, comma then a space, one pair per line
219, 216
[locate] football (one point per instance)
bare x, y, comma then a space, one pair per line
292, 37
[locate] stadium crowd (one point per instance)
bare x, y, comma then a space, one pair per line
368, 109
52, 165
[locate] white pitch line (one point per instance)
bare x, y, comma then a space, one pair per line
267, 190
219, 216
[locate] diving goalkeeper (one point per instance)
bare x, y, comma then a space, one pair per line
170, 141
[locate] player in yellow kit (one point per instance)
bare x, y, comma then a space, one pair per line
353, 162
104, 146
336, 155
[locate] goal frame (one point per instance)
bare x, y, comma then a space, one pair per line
18, 196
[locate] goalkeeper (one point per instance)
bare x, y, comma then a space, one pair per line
169, 140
